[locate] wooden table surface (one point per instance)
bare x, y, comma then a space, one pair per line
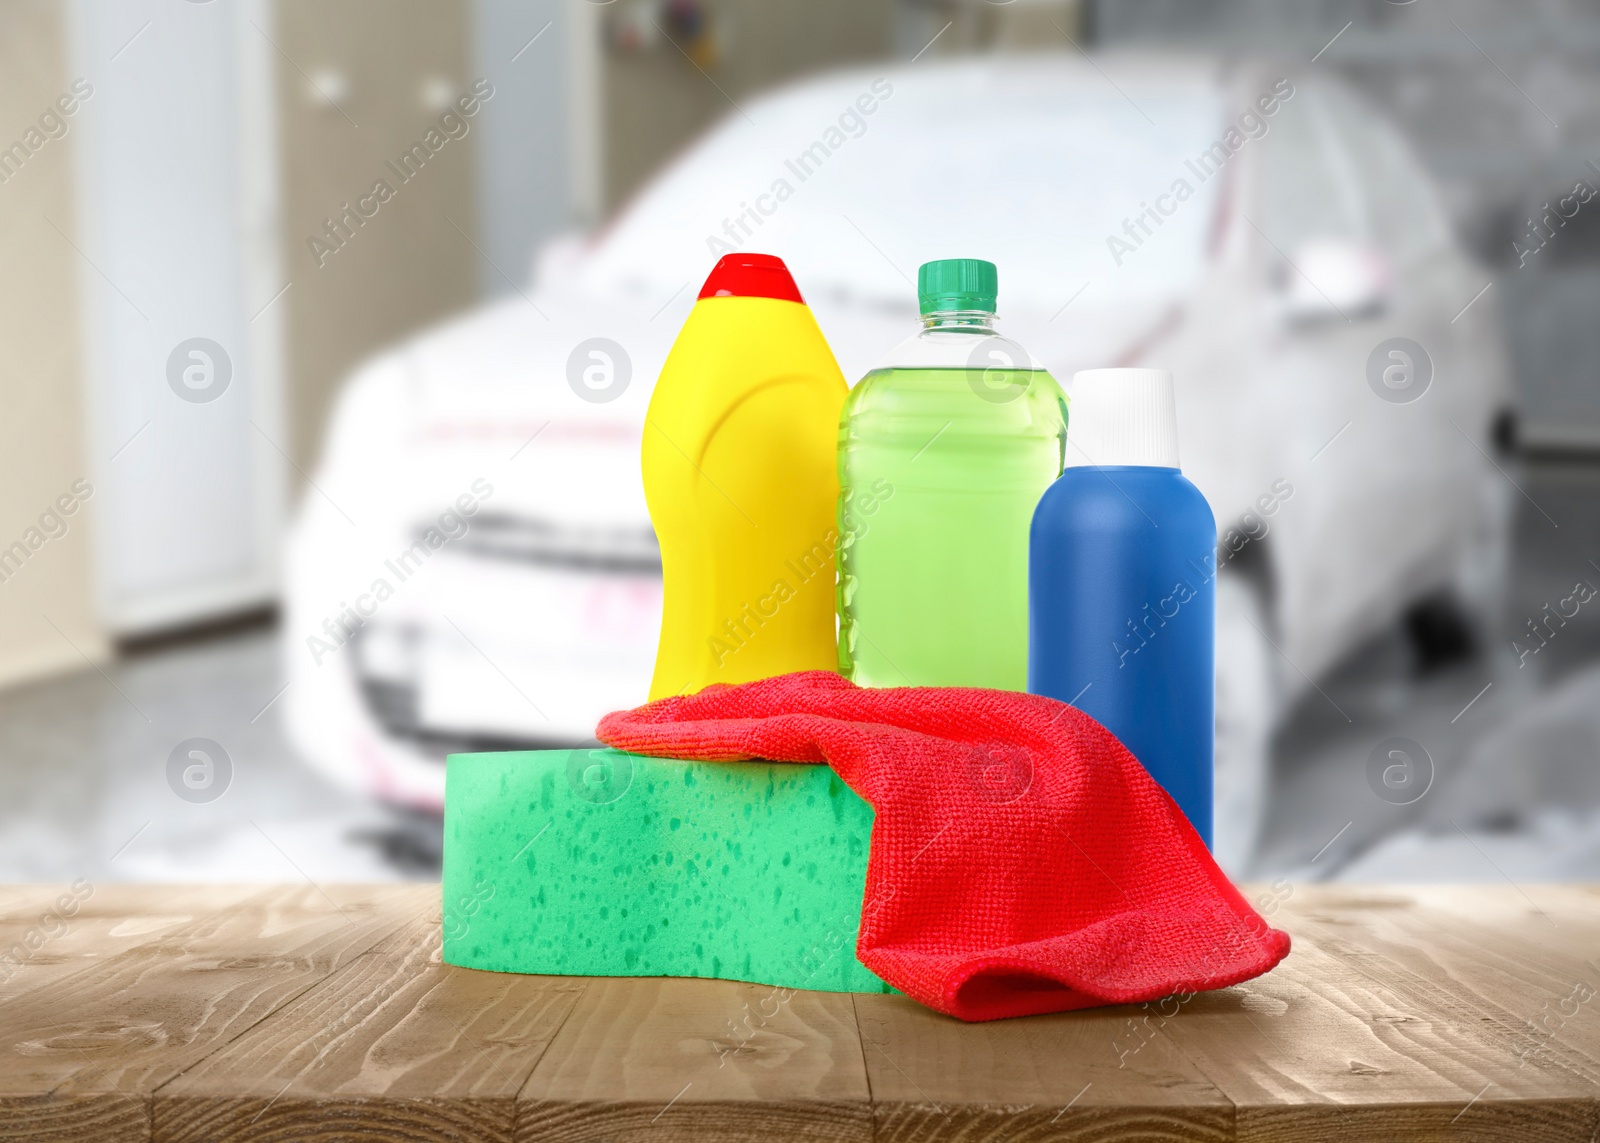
305, 1013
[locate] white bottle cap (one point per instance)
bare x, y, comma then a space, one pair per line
1122, 416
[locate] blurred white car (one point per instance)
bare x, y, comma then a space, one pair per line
1259, 232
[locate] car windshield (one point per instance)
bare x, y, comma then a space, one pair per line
855, 180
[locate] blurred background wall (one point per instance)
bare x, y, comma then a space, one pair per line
657, 60
357, 84
48, 616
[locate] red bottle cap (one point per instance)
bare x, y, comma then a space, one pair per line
751, 276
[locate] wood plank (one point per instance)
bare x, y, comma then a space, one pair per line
59, 930
1555, 924
1517, 947
1505, 971
14, 898
1099, 1074
81, 1055
700, 1061
1475, 988
1318, 1050
28, 924
212, 1013
395, 1046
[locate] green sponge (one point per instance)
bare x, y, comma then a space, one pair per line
600, 863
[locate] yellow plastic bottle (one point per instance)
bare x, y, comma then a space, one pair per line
741, 477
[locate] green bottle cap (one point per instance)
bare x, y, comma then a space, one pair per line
957, 284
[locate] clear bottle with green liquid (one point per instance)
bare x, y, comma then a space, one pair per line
944, 451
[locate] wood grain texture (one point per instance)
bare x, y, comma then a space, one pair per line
1463, 989
1092, 1075
1497, 974
1317, 1050
294, 1013
395, 1045
80, 1055
55, 931
16, 899
700, 1060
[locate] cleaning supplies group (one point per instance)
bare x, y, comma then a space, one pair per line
977, 544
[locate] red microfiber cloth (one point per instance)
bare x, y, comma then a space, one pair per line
1022, 861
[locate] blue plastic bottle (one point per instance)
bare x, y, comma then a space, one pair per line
1121, 584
